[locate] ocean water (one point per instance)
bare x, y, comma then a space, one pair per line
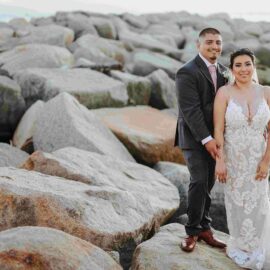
7, 13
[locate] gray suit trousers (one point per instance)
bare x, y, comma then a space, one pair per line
202, 178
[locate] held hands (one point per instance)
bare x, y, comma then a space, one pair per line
212, 148
262, 170
221, 171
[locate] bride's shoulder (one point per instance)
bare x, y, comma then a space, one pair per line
224, 91
222, 96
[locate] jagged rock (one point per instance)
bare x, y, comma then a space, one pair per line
23, 135
104, 27
163, 94
145, 41
135, 21
190, 49
192, 21
104, 66
48, 34
163, 252
45, 248
42, 21
5, 34
144, 63
79, 23
112, 48
93, 89
35, 55
138, 88
12, 106
97, 57
171, 30
118, 202
19, 23
223, 26
65, 122
11, 156
253, 44
251, 28
265, 38
263, 54
180, 177
264, 76
145, 131
119, 24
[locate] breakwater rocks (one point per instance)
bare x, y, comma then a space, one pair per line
88, 111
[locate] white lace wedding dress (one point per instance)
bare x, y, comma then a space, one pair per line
246, 199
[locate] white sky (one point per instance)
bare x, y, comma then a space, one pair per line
231, 7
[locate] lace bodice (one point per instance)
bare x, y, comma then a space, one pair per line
236, 119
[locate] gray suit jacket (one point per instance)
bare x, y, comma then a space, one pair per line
195, 92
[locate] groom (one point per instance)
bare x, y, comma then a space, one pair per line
196, 85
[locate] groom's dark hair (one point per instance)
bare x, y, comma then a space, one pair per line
209, 30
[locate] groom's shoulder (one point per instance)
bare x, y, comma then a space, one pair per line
188, 67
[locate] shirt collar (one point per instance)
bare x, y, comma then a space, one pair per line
207, 62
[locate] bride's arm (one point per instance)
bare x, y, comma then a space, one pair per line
220, 105
263, 166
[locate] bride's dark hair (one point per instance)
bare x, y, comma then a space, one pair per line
243, 51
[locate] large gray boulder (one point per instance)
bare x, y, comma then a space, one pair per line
49, 249
96, 57
23, 135
252, 43
145, 62
146, 41
112, 48
104, 27
223, 26
11, 156
93, 89
163, 252
100, 199
79, 23
163, 94
65, 122
5, 34
138, 88
169, 29
35, 55
12, 106
190, 48
135, 20
146, 132
47, 34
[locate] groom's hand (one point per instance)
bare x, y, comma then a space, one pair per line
212, 148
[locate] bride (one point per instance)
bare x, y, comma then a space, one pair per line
241, 120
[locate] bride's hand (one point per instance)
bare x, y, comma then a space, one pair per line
221, 171
262, 170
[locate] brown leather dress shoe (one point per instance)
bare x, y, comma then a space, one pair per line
207, 236
189, 243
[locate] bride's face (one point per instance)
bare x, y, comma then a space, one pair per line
243, 68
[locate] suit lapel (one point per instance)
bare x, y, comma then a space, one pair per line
203, 68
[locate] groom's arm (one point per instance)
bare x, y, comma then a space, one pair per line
190, 105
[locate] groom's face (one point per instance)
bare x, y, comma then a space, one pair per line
210, 46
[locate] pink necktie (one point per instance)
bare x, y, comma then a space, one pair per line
213, 73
